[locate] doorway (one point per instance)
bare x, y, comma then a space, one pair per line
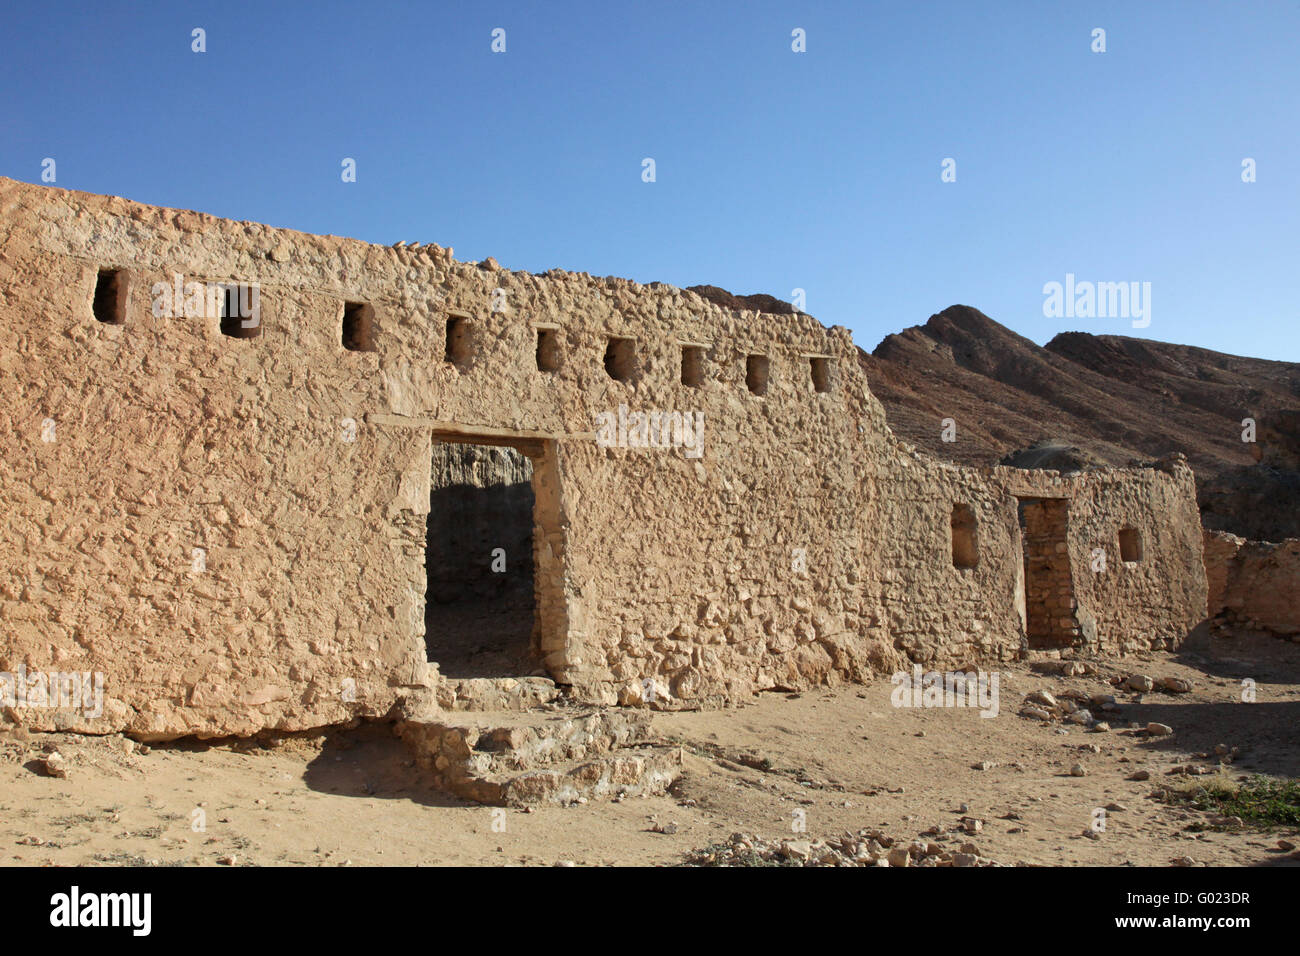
484, 536
1049, 600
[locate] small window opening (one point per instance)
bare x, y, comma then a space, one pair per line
821, 374
358, 327
240, 313
1130, 545
458, 340
110, 296
620, 359
964, 551
693, 365
548, 350
756, 373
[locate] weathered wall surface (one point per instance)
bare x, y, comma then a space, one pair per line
804, 545
1254, 583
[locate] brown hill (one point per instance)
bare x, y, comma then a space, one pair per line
1086, 399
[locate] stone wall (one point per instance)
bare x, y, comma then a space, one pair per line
798, 543
1254, 583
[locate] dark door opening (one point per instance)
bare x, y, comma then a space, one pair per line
1050, 620
479, 607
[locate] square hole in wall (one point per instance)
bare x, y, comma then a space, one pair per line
757, 368
548, 350
965, 553
111, 287
458, 350
1130, 545
620, 359
240, 311
358, 327
693, 365
821, 374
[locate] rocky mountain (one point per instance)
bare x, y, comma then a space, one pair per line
1085, 400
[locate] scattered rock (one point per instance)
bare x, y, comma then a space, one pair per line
1139, 682
798, 849
55, 765
1159, 730
1078, 771
864, 848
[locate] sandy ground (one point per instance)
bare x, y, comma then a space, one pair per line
840, 759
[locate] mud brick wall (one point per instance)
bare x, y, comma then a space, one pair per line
1254, 583
805, 545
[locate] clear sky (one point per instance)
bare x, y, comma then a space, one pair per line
775, 170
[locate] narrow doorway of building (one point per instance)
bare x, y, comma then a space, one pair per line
480, 602
1050, 619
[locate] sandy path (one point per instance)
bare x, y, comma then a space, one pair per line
837, 759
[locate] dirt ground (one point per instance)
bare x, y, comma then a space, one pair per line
845, 758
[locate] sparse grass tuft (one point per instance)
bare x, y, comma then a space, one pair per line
724, 854
1263, 801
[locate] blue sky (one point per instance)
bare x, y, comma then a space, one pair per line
775, 170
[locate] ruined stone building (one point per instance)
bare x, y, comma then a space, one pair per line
267, 480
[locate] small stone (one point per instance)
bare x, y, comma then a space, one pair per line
1285, 845
229, 860
1078, 771
899, 856
1140, 775
1175, 685
55, 765
984, 765
797, 849
1159, 730
1139, 682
